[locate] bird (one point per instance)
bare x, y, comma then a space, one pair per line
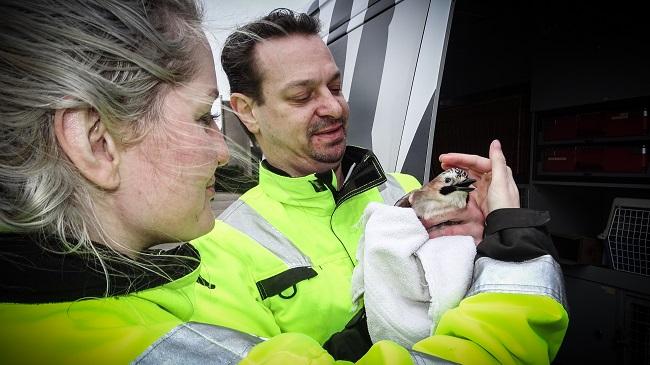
445, 193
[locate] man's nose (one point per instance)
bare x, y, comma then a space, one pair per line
330, 105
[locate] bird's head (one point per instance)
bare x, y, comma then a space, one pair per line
451, 187
453, 180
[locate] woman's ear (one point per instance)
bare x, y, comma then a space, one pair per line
85, 140
242, 105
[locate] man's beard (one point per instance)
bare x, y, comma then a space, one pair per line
333, 156
330, 155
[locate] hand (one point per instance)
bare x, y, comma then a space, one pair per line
495, 186
469, 221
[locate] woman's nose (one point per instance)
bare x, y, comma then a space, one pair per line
223, 153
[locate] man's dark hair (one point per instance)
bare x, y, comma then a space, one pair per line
238, 56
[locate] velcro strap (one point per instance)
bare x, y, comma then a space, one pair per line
278, 283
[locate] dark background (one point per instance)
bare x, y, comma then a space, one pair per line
509, 64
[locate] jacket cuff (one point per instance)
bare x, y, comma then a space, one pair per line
505, 218
539, 276
516, 234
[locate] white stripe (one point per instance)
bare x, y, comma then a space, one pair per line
353, 39
404, 36
325, 15
359, 8
427, 74
199, 343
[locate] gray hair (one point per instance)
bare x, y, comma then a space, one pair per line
113, 56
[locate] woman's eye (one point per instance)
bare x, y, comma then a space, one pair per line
209, 118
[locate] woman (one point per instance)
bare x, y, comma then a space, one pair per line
107, 148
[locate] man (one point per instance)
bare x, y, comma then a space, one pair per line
293, 238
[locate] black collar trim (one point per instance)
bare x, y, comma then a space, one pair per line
366, 173
31, 274
274, 169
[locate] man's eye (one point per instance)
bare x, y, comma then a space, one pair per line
335, 90
301, 98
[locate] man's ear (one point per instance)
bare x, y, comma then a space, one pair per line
85, 140
242, 105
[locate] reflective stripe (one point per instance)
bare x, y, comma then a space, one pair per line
199, 343
539, 276
244, 218
424, 359
391, 191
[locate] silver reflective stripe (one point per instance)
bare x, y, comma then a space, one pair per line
244, 218
424, 359
539, 276
391, 191
199, 343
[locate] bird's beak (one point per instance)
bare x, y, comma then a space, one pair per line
465, 185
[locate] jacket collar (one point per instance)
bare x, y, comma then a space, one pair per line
320, 192
32, 274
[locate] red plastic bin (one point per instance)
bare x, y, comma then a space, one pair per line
626, 124
560, 128
559, 160
590, 125
589, 158
632, 159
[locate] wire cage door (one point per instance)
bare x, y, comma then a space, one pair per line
628, 236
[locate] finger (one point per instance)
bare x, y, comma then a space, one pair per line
514, 190
502, 180
498, 160
470, 162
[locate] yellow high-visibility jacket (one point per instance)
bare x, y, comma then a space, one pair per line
288, 248
285, 251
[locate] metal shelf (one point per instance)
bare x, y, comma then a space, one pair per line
591, 184
593, 141
605, 276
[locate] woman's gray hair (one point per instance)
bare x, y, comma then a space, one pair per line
116, 57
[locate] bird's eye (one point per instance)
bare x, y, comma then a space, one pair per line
447, 180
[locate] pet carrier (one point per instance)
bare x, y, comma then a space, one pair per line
628, 235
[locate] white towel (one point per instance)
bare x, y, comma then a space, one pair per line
406, 279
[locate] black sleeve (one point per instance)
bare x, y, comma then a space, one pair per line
516, 234
352, 342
